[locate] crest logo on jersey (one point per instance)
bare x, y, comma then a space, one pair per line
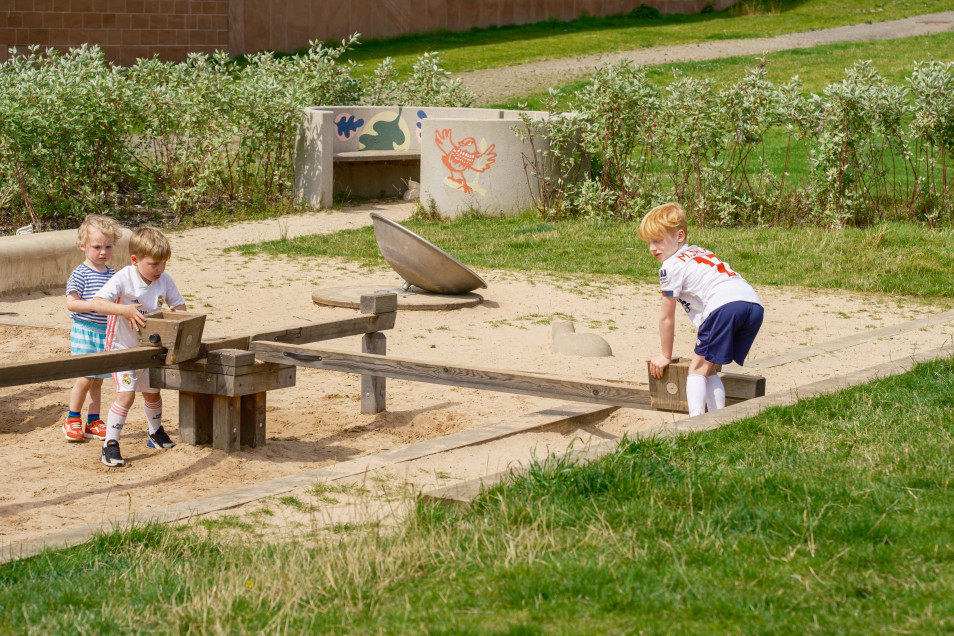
159, 301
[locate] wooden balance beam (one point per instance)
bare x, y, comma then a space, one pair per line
467, 377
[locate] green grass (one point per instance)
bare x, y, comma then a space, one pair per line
892, 258
504, 46
828, 516
816, 67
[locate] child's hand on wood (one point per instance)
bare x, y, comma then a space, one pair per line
132, 315
657, 364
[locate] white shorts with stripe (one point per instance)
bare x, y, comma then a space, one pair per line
135, 380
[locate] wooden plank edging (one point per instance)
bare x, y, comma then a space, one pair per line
462, 493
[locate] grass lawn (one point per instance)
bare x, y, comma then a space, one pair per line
505, 46
828, 516
876, 259
816, 67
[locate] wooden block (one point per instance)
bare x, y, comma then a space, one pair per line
265, 377
253, 420
226, 423
178, 331
378, 303
195, 418
669, 392
373, 388
231, 357
740, 386
279, 377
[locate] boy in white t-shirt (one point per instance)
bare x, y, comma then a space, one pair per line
720, 303
134, 291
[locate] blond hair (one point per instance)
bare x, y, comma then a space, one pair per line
108, 227
662, 220
148, 242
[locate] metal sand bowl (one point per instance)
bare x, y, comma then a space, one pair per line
421, 263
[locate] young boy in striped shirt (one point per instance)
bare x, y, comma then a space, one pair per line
97, 235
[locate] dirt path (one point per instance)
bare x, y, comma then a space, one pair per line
497, 85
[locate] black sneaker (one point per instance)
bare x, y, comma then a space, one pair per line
159, 439
110, 455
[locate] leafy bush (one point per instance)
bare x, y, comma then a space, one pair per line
78, 135
873, 150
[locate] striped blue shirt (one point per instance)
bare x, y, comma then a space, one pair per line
86, 281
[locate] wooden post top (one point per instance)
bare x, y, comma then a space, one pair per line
378, 303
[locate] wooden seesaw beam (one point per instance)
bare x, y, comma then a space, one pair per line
50, 369
466, 377
63, 368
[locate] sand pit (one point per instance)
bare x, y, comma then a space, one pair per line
51, 485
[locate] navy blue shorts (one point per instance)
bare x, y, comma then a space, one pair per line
728, 333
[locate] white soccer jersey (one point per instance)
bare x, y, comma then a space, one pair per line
702, 283
128, 288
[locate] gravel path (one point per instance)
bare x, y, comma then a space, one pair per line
500, 84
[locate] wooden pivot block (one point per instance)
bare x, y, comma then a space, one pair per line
178, 331
668, 393
222, 399
373, 387
378, 303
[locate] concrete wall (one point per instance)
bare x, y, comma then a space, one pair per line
468, 164
45, 260
131, 29
329, 130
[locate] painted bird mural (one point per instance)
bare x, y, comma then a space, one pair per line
463, 156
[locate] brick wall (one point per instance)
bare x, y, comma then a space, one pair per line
130, 29
124, 29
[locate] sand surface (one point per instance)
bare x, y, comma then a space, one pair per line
54, 484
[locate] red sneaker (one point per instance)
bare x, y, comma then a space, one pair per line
95, 430
73, 429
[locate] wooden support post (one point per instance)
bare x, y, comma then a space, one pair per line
253, 420
373, 387
195, 418
226, 422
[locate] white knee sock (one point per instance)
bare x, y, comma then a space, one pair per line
696, 394
114, 422
715, 393
153, 414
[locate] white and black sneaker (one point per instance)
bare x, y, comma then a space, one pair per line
160, 439
110, 455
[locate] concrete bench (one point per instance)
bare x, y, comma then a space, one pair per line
368, 151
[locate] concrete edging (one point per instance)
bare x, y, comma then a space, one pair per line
45, 260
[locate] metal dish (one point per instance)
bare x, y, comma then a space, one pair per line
421, 263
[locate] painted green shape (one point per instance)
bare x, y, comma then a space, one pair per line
387, 134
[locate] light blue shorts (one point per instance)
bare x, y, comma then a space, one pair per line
86, 337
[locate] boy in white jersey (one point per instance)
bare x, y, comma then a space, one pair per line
97, 235
720, 303
135, 290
